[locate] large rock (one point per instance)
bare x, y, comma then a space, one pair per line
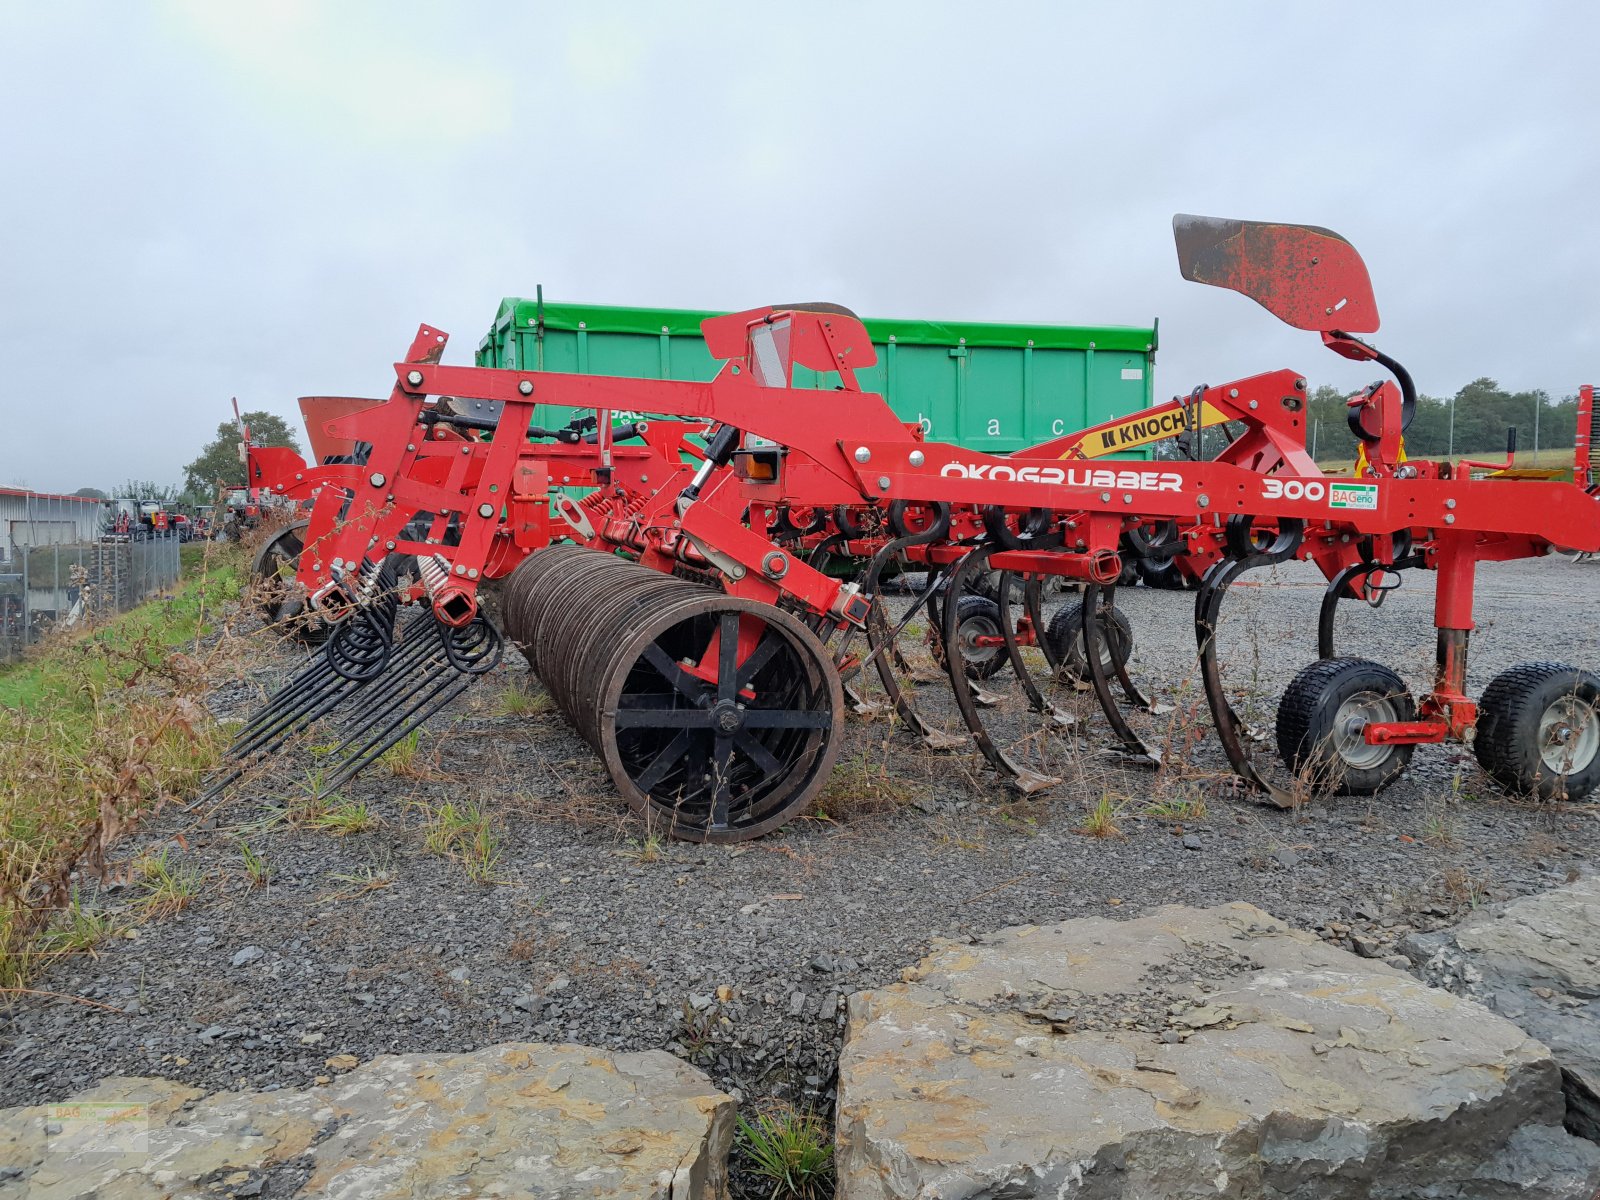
514, 1120
1191, 1053
1535, 961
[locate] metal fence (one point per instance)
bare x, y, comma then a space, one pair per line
67, 586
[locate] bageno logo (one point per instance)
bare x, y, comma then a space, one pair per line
1353, 495
1128, 481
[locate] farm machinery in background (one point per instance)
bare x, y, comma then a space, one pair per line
708, 611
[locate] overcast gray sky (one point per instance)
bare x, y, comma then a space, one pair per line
205, 199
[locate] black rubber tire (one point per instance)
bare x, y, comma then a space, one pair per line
1162, 576
1306, 725
1065, 634
989, 660
1507, 741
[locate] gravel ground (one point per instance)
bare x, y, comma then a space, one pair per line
738, 958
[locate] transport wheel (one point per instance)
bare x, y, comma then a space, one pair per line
1322, 719
1065, 635
278, 593
1163, 576
1539, 731
979, 617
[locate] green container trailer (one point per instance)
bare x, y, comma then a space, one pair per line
989, 387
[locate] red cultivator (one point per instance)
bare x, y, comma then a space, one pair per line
699, 626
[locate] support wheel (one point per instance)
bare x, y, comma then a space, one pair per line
1065, 635
979, 617
1539, 731
278, 592
1322, 719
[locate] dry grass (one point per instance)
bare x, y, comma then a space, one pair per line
372, 877
862, 784
98, 730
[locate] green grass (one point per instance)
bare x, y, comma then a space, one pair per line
1101, 820
517, 701
127, 647
166, 887
403, 760
791, 1153
98, 729
79, 929
255, 867
463, 833
345, 818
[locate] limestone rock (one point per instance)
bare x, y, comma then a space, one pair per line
510, 1120
1535, 961
1190, 1053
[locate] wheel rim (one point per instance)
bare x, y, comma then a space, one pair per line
972, 629
1349, 729
1569, 735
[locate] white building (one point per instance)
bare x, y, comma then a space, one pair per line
45, 519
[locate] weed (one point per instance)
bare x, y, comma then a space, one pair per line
403, 761
463, 833
1440, 830
1465, 889
517, 701
1101, 820
369, 878
400, 759
791, 1151
345, 818
697, 1032
645, 852
83, 929
255, 867
1191, 807
168, 887
860, 787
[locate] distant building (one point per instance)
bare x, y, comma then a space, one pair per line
45, 519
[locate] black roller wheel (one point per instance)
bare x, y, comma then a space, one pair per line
728, 755
281, 599
1539, 731
1065, 634
979, 617
1322, 720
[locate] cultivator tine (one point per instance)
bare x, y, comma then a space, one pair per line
1207, 614
1097, 602
1032, 597
968, 701
885, 655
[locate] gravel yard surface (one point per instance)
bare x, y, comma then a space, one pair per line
737, 958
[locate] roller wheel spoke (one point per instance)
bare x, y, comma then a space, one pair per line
673, 673
653, 774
